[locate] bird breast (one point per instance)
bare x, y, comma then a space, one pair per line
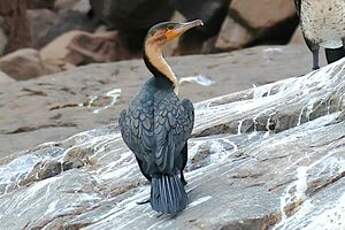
323, 21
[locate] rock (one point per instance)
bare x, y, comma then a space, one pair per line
75, 5
119, 13
41, 21
3, 37
297, 37
78, 47
255, 22
29, 60
233, 35
4, 79
212, 12
42, 4
63, 104
67, 21
286, 175
15, 24
132, 18
263, 14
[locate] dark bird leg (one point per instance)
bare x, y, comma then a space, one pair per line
316, 58
314, 48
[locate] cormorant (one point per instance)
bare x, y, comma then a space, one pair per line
323, 25
157, 124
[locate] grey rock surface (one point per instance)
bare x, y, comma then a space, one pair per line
57, 106
281, 167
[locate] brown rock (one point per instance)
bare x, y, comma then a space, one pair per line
297, 37
41, 21
78, 47
28, 60
42, 4
77, 5
233, 35
4, 79
16, 26
3, 37
260, 14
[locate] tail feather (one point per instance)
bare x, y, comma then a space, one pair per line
168, 195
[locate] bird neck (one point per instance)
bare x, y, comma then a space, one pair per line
158, 66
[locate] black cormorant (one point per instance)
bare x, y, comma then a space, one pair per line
323, 25
157, 124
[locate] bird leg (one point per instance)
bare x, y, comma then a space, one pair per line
316, 58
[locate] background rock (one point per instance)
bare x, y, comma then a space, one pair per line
42, 21
23, 64
211, 12
15, 24
4, 79
132, 18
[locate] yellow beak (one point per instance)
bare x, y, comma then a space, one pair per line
182, 28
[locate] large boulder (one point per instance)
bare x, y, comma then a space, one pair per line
23, 64
3, 37
211, 12
42, 4
80, 48
133, 18
76, 5
271, 157
42, 21
253, 21
15, 24
61, 23
5, 79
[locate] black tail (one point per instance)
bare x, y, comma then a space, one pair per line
168, 195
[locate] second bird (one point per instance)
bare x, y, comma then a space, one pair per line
157, 124
323, 25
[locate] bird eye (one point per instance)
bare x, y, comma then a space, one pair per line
170, 27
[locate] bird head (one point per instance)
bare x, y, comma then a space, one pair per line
162, 33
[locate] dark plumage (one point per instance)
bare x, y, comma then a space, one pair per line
157, 125
323, 25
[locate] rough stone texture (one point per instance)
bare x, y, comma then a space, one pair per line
42, 4
297, 37
264, 177
3, 37
254, 22
4, 79
233, 35
68, 20
41, 20
131, 15
211, 12
82, 6
54, 107
260, 14
80, 48
15, 24
23, 64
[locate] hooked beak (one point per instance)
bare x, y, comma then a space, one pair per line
182, 28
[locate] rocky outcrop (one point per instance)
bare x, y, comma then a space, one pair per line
248, 22
270, 157
15, 24
4, 79
23, 64
60, 105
